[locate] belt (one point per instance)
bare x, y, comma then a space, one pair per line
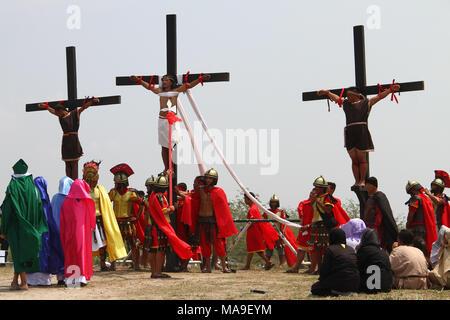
413, 276
69, 133
417, 224
355, 124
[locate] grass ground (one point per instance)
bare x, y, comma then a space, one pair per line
125, 284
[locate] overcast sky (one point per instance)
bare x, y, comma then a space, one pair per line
274, 50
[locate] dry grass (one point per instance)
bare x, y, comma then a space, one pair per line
131, 285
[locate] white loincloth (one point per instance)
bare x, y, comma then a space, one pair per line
163, 132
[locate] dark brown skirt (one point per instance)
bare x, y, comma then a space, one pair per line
71, 148
358, 136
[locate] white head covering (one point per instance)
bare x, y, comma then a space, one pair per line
437, 245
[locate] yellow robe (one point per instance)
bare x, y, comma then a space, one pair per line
114, 243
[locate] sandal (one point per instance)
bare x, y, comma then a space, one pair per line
270, 266
14, 287
291, 271
161, 276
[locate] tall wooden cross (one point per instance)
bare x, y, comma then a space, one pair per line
72, 102
171, 47
360, 76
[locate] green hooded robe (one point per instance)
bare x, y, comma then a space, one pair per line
23, 220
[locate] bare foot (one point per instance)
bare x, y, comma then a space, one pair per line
24, 286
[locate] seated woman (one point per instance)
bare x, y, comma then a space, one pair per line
339, 272
440, 275
371, 254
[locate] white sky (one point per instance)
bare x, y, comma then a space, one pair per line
274, 50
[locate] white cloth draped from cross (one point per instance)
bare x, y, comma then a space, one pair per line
219, 152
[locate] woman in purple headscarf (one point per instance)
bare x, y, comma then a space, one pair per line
353, 231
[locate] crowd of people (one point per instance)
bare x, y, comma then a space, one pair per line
60, 236
369, 255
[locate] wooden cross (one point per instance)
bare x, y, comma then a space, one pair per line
171, 47
360, 76
72, 102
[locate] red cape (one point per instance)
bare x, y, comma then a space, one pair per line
181, 248
186, 216
290, 237
445, 219
291, 258
305, 213
139, 224
269, 234
77, 220
222, 212
339, 213
430, 221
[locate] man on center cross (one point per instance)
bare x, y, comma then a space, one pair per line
168, 91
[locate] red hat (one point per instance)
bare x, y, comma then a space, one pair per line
444, 176
123, 167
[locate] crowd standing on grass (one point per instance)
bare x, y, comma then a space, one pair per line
61, 236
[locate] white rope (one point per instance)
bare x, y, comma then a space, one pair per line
201, 164
254, 200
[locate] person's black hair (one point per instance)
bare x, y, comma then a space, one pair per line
332, 185
202, 179
416, 187
353, 89
337, 236
253, 195
173, 79
182, 186
406, 236
373, 181
140, 193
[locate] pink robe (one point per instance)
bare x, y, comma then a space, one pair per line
77, 221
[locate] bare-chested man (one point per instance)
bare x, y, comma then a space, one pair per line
168, 92
215, 222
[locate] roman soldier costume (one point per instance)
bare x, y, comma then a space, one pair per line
423, 223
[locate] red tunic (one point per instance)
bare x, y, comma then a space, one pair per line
429, 219
290, 237
305, 213
445, 218
259, 234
